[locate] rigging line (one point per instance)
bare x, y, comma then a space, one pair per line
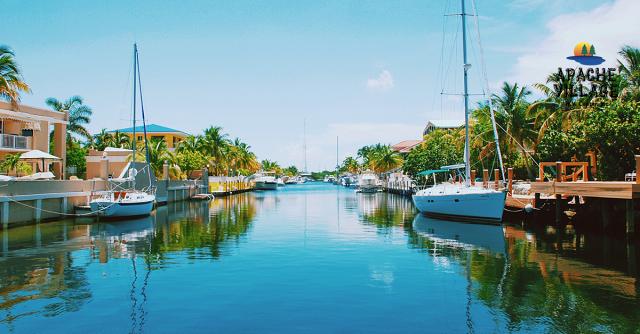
441, 60
486, 80
144, 122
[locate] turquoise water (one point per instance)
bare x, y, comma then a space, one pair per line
311, 258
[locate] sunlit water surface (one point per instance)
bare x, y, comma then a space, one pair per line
311, 258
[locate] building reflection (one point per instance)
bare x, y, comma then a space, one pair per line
39, 262
385, 210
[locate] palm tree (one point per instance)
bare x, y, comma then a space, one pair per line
513, 115
11, 84
79, 115
101, 140
560, 108
215, 144
120, 140
12, 163
350, 164
190, 144
270, 166
629, 69
158, 155
384, 159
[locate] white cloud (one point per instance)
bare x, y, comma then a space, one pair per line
383, 82
607, 27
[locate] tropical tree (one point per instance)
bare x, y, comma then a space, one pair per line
215, 143
11, 82
271, 166
190, 144
291, 171
350, 164
79, 115
12, 163
384, 159
512, 114
629, 69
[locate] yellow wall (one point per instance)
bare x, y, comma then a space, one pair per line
168, 137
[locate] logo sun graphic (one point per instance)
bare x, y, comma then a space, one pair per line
585, 54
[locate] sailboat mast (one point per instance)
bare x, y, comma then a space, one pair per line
467, 169
337, 164
133, 142
304, 144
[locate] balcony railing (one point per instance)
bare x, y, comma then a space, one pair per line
14, 141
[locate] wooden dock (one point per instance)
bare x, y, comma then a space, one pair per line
571, 180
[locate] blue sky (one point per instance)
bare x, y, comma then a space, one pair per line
367, 71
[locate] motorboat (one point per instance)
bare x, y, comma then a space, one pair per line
368, 182
265, 181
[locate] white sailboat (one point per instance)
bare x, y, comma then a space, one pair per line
265, 181
118, 201
460, 200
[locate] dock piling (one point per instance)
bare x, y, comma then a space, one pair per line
496, 178
510, 180
473, 177
485, 178
558, 196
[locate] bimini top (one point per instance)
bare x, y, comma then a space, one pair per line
450, 167
432, 171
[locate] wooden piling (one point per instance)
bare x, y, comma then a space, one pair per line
485, 178
496, 178
473, 177
510, 178
558, 196
637, 169
630, 218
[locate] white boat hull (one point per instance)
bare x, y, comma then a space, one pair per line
260, 185
120, 209
481, 205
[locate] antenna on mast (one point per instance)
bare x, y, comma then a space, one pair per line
304, 144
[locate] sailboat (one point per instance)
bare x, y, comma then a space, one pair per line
461, 200
118, 201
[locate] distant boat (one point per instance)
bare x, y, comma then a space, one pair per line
368, 182
265, 181
460, 200
118, 201
280, 182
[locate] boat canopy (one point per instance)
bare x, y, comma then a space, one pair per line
432, 171
450, 167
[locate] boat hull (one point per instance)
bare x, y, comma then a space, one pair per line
260, 185
472, 207
111, 209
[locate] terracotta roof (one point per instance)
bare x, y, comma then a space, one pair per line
405, 146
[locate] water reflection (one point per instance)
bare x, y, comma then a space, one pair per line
361, 257
528, 280
44, 267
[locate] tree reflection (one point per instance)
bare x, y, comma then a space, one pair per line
532, 287
48, 273
385, 210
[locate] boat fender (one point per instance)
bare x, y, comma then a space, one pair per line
528, 208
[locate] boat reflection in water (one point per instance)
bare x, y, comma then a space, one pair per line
545, 281
467, 236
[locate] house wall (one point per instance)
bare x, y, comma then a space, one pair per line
168, 137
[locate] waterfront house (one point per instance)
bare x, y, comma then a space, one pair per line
444, 124
405, 146
170, 136
25, 128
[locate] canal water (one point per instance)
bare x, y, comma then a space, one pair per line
313, 258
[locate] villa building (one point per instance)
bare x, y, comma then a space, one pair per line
445, 124
405, 146
170, 136
25, 128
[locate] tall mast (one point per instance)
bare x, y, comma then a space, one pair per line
133, 142
337, 163
304, 145
467, 165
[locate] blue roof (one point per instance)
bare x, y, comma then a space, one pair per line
151, 128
